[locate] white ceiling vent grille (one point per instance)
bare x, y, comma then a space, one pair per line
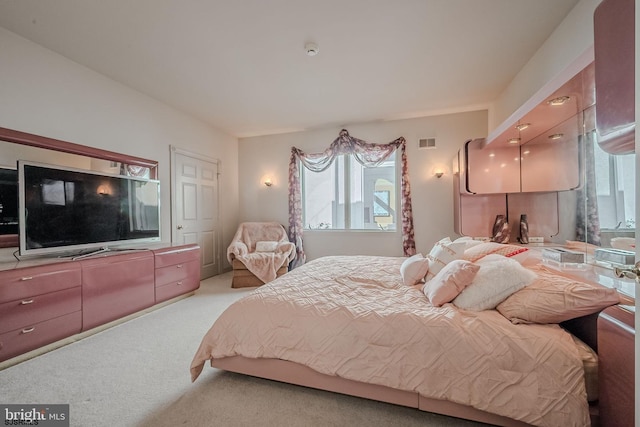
427, 143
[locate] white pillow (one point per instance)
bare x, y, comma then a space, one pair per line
443, 253
266, 246
469, 242
413, 269
497, 279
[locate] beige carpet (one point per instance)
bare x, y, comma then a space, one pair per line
137, 374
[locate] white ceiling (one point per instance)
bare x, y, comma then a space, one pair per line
240, 65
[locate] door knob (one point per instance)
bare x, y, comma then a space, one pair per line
179, 227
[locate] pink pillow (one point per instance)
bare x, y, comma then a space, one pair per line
450, 281
552, 298
413, 269
477, 252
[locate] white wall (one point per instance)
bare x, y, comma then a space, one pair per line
568, 41
432, 197
46, 94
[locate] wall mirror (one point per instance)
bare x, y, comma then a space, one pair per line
17, 145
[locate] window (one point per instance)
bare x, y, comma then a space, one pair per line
615, 188
349, 196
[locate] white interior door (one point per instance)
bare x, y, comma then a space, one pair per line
195, 209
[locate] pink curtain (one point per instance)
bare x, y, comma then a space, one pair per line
365, 153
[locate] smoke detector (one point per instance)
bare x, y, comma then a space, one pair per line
312, 49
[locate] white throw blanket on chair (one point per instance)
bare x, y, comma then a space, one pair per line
263, 265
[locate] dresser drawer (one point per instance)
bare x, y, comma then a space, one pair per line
27, 311
177, 272
26, 339
176, 255
175, 289
23, 283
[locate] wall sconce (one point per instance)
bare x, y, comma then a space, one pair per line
438, 172
104, 190
268, 182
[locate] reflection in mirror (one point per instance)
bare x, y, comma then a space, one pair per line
12, 152
8, 201
615, 190
608, 202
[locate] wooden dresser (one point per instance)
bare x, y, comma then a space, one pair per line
47, 300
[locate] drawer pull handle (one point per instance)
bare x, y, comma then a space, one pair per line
180, 283
179, 266
28, 330
26, 278
26, 301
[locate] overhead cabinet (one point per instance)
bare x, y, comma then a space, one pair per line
550, 162
538, 153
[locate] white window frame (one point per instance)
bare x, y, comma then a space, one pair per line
347, 197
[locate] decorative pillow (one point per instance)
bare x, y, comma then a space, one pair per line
497, 279
450, 281
413, 269
443, 253
552, 298
468, 242
477, 252
266, 246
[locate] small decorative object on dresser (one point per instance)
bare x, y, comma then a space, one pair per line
524, 230
500, 233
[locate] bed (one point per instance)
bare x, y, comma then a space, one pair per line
351, 324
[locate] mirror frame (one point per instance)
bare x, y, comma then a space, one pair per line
24, 138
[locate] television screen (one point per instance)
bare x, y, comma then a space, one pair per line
64, 209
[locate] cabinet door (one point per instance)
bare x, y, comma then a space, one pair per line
115, 286
614, 49
551, 161
616, 373
492, 170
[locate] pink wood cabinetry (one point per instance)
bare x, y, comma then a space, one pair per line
38, 305
616, 335
491, 170
114, 286
177, 271
46, 300
614, 46
550, 162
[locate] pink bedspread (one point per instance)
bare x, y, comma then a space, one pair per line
353, 317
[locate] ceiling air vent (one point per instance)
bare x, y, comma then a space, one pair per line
427, 143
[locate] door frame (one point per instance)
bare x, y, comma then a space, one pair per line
172, 171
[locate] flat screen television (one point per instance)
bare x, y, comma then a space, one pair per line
65, 210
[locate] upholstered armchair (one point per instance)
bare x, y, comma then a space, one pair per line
258, 253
